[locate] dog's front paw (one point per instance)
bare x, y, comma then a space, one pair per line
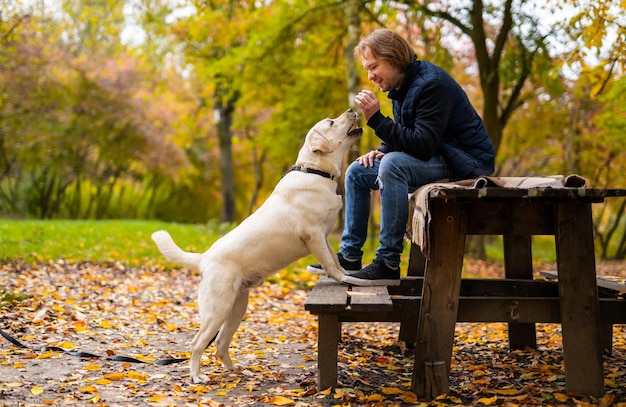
200, 379
336, 275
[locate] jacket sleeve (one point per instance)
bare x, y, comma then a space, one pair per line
421, 137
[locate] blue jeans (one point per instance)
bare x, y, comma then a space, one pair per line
396, 175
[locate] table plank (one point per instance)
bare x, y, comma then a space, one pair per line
591, 194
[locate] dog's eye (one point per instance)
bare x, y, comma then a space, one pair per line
331, 122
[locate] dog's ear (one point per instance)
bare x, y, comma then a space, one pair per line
320, 144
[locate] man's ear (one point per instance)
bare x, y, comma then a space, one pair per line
319, 144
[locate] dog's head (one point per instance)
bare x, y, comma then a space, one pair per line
328, 141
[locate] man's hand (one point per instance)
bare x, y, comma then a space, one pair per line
367, 160
368, 102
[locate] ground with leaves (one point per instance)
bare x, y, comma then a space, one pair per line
151, 314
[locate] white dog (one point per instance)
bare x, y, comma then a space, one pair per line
294, 221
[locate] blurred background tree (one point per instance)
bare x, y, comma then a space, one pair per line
192, 110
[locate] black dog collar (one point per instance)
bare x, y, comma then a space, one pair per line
312, 171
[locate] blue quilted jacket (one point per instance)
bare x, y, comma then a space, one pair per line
433, 115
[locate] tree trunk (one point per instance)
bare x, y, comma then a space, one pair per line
353, 84
224, 108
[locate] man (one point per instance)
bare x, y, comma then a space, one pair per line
436, 134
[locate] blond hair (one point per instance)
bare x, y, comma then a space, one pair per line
388, 45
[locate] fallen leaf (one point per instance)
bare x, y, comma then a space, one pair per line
92, 367
281, 401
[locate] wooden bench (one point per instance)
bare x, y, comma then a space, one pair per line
481, 300
334, 303
518, 299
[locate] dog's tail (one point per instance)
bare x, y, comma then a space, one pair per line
173, 253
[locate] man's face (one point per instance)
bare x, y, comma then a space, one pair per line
381, 72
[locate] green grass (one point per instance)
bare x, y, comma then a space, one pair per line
74, 241
543, 248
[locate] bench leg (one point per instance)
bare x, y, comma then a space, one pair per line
440, 301
606, 332
408, 329
578, 296
408, 319
518, 264
329, 333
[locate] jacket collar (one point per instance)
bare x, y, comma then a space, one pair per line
411, 72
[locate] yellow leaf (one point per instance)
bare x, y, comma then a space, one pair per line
115, 376
137, 376
67, 345
375, 397
13, 384
281, 401
92, 366
487, 401
103, 381
409, 397
507, 392
339, 393
561, 397
327, 391
58, 308
89, 389
177, 388
156, 398
608, 399
105, 324
36, 390
391, 390
18, 365
46, 355
221, 393
198, 389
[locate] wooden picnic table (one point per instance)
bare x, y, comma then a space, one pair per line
516, 214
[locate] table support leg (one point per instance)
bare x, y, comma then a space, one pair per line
440, 300
329, 333
518, 264
578, 292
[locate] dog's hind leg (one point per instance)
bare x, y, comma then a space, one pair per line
231, 324
212, 316
208, 330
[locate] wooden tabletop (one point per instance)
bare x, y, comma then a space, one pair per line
592, 194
